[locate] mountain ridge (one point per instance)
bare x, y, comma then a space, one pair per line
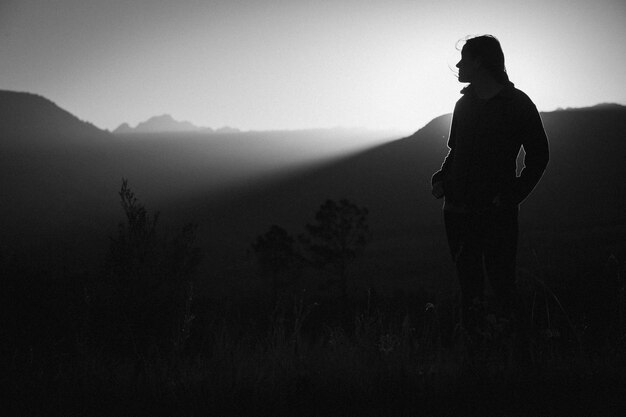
581, 190
586, 147
27, 117
165, 123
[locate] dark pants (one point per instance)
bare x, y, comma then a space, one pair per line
484, 243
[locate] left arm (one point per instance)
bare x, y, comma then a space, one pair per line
535, 142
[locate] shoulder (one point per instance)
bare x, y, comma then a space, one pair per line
520, 104
519, 97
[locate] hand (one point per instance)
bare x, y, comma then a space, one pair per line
438, 190
497, 201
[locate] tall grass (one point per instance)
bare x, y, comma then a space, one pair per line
134, 339
311, 357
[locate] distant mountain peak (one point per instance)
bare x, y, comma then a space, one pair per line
227, 129
123, 128
608, 106
159, 124
164, 117
165, 123
599, 106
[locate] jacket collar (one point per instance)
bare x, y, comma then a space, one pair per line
506, 92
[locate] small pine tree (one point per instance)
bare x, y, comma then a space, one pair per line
339, 234
278, 258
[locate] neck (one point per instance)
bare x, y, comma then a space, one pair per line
486, 86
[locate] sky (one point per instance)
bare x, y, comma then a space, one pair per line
295, 64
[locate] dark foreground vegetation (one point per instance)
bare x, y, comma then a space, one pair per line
132, 338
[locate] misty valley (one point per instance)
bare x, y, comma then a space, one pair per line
174, 272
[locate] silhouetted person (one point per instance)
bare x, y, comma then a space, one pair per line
478, 178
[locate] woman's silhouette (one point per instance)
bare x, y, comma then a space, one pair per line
491, 121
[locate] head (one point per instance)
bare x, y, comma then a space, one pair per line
482, 56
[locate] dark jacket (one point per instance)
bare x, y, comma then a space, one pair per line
485, 138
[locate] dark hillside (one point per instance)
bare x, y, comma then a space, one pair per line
54, 171
583, 187
32, 119
583, 182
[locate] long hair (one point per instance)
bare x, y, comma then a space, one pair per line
487, 48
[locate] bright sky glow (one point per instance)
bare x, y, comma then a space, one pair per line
290, 64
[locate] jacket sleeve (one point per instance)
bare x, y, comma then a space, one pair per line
535, 142
447, 163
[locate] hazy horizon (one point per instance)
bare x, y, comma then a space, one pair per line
274, 65
216, 129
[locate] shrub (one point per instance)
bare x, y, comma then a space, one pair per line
148, 285
278, 258
338, 235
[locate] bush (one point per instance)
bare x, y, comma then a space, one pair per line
145, 296
338, 235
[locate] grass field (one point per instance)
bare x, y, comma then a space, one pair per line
136, 337
169, 353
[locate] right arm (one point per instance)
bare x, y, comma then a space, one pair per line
439, 176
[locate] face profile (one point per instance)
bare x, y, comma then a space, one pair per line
467, 68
